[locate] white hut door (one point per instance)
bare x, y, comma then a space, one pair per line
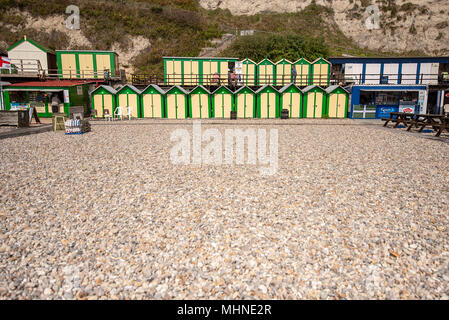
180, 106
227, 105
107, 103
98, 104
271, 105
241, 105
310, 104
156, 105
264, 105
333, 105
341, 112
171, 106
262, 74
204, 98
318, 105
296, 105
132, 102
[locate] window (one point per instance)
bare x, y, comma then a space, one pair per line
18, 97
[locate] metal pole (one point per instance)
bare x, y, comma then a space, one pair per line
1, 97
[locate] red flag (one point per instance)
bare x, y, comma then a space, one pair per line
5, 62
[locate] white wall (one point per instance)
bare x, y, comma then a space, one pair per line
409, 71
429, 72
353, 71
391, 70
26, 50
372, 74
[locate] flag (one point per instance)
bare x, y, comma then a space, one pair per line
5, 63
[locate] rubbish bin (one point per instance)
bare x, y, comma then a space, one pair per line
233, 115
284, 114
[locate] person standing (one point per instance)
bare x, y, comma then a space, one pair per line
294, 73
55, 103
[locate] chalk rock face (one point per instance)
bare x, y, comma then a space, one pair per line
404, 25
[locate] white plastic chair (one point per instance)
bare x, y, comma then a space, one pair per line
107, 115
118, 113
129, 111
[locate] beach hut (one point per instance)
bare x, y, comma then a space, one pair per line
176, 103
249, 75
245, 102
303, 69
337, 102
103, 98
153, 103
129, 96
266, 72
314, 102
320, 72
283, 72
199, 103
222, 102
290, 97
267, 102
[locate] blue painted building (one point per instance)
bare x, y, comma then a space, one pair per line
393, 84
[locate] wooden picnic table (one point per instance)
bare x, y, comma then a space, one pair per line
438, 122
398, 117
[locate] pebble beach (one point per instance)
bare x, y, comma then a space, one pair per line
354, 211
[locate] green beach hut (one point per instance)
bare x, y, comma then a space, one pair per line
291, 98
266, 72
337, 102
303, 70
314, 105
176, 102
103, 98
129, 96
245, 102
283, 72
153, 102
200, 103
222, 102
320, 72
249, 72
268, 102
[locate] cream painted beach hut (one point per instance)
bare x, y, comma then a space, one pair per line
176, 101
291, 98
200, 103
222, 102
103, 98
314, 102
267, 102
337, 102
245, 102
303, 70
320, 72
153, 102
249, 72
129, 96
266, 72
283, 72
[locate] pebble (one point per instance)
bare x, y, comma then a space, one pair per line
355, 211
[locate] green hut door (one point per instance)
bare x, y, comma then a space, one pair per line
337, 105
176, 106
292, 102
314, 105
245, 105
152, 105
268, 105
200, 105
223, 105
